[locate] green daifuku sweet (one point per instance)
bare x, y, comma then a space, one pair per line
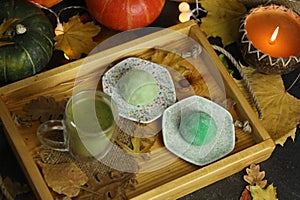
198, 128
138, 87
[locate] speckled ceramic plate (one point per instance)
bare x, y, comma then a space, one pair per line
141, 113
199, 155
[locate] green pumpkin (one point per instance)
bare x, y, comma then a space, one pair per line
30, 51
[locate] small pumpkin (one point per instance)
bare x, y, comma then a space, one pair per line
46, 3
125, 14
26, 42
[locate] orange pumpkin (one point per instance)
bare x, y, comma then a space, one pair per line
46, 3
125, 14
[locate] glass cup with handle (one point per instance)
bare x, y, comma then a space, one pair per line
88, 127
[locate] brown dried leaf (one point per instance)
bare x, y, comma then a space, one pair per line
75, 38
187, 79
21, 121
64, 178
281, 111
144, 137
110, 186
172, 60
45, 108
255, 176
11, 189
259, 193
223, 19
139, 145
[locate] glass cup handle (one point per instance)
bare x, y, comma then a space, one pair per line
52, 135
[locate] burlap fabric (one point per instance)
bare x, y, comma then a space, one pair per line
116, 159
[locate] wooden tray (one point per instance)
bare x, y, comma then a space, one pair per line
172, 181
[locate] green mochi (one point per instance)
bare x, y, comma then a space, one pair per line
198, 128
138, 87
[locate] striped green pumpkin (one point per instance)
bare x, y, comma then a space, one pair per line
30, 51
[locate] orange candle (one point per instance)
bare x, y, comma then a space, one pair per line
274, 30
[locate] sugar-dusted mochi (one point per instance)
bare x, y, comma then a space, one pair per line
138, 87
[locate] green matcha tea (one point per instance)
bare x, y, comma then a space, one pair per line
90, 125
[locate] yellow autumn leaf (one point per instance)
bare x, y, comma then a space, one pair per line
223, 19
75, 38
281, 110
259, 193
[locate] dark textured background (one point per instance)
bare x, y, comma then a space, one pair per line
282, 169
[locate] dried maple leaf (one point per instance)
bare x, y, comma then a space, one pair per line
110, 186
172, 60
142, 139
259, 193
139, 145
64, 178
45, 108
255, 176
281, 110
187, 79
75, 38
223, 19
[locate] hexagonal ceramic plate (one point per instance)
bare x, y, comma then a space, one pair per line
199, 155
142, 113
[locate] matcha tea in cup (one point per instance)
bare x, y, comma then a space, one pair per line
88, 126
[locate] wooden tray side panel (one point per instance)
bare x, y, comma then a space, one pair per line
211, 173
243, 107
23, 156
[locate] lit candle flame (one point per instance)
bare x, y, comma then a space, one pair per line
274, 35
